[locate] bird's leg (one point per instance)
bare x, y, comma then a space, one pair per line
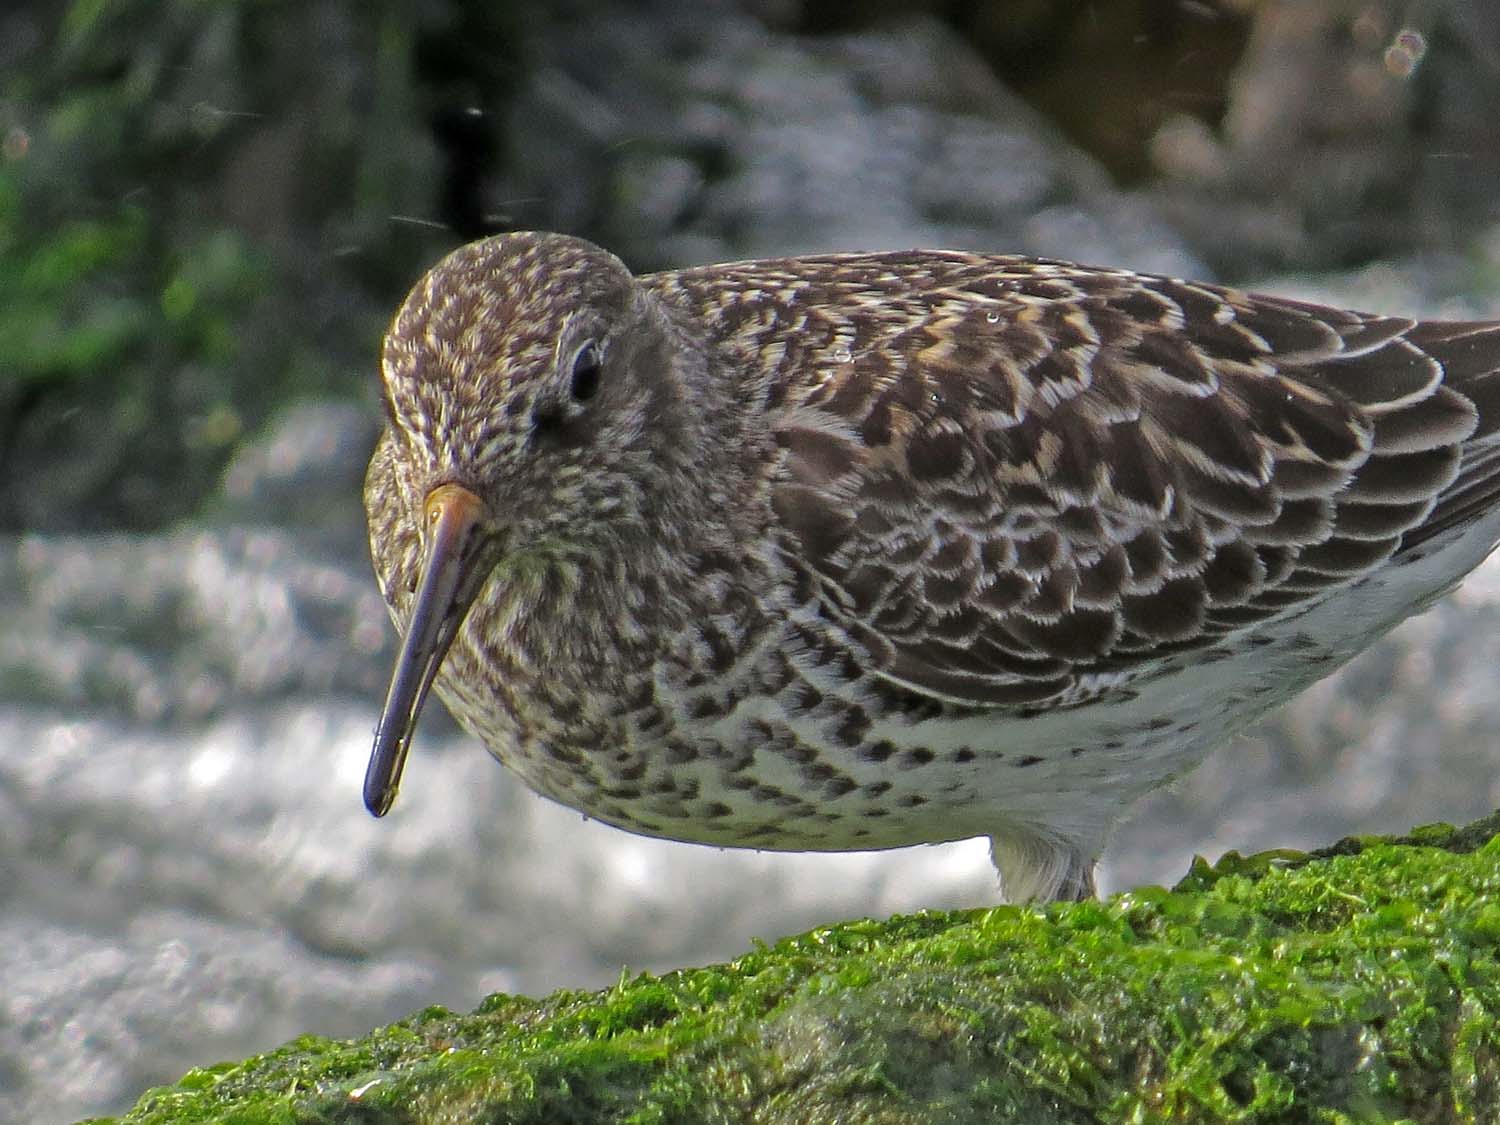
1037, 868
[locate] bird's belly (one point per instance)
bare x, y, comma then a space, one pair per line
816, 763
771, 772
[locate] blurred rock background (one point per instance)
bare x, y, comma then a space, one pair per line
207, 212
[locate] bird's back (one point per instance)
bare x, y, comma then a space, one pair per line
1013, 480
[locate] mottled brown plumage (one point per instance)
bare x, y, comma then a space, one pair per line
874, 549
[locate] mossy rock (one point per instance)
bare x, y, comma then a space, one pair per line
1357, 984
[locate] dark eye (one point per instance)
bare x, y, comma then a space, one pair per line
586, 372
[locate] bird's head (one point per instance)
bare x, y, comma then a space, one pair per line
534, 416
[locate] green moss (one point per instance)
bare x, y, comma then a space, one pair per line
1358, 984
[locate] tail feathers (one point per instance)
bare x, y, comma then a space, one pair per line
1469, 352
1470, 356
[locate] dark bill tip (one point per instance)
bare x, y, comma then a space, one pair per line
450, 578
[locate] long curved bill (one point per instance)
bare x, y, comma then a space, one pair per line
451, 577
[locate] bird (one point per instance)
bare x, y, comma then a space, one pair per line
865, 550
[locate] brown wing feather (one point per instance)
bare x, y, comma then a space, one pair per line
1003, 476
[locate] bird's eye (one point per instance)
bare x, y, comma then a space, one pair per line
586, 364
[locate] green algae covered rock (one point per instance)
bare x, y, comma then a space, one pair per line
1356, 984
